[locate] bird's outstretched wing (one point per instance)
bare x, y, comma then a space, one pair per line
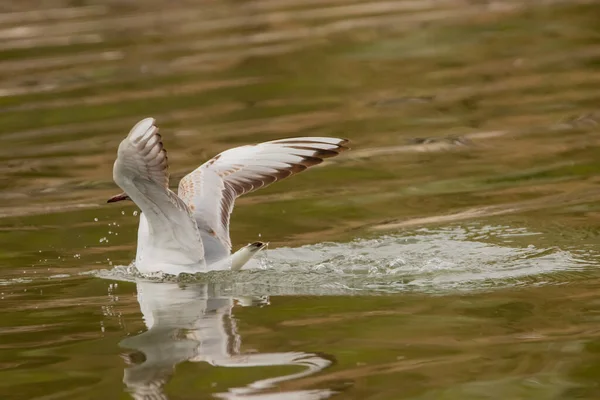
210, 190
142, 171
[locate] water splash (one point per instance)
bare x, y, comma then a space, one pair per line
431, 260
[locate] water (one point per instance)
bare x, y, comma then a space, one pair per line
452, 254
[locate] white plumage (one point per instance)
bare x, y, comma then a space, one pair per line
189, 231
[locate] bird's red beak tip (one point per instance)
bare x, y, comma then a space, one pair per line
118, 197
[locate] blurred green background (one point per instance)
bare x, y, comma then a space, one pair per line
476, 115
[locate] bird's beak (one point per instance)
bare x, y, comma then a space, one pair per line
118, 197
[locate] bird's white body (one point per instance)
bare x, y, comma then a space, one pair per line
189, 231
150, 259
170, 255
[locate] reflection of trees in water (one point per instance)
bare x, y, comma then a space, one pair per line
196, 324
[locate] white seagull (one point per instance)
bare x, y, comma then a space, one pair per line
189, 231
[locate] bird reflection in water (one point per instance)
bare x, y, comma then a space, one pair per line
196, 324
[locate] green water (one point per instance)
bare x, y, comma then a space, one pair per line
451, 254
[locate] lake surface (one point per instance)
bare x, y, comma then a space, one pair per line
453, 253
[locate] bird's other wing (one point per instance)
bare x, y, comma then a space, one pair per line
210, 190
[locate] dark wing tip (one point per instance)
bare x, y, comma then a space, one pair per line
309, 161
343, 145
257, 246
319, 153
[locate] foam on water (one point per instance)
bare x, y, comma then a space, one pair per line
431, 260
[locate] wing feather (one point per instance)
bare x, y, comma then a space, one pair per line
210, 190
142, 171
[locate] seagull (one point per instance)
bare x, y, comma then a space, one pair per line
188, 232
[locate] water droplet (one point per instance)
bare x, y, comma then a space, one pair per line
135, 213
122, 212
95, 219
